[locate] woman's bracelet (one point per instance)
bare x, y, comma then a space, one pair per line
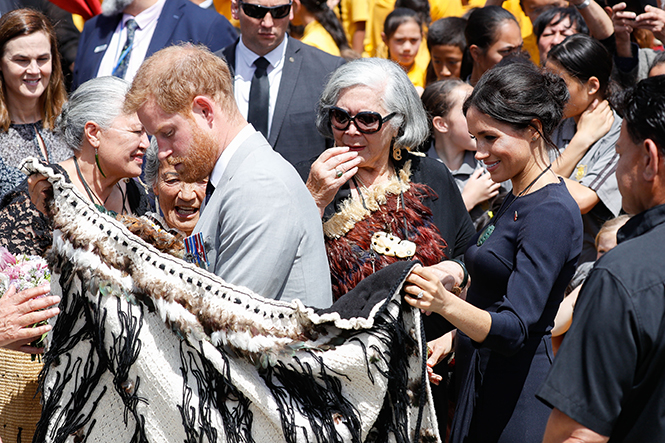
465, 279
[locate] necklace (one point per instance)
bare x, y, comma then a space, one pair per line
386, 243
93, 196
490, 228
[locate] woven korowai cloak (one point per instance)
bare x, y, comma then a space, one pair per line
150, 348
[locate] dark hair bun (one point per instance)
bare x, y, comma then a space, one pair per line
519, 93
556, 87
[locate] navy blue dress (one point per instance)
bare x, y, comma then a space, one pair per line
518, 275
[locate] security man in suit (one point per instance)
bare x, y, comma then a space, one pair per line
128, 31
260, 226
278, 80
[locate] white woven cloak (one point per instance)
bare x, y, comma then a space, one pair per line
148, 348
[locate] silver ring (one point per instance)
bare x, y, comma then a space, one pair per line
419, 295
338, 173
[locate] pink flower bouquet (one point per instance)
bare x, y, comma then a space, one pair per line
24, 272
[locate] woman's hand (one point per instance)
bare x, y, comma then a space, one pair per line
19, 311
479, 188
439, 349
40, 191
425, 292
595, 122
329, 172
451, 275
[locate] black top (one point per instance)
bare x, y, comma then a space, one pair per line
608, 374
518, 275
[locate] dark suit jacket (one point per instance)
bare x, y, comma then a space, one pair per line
306, 70
180, 21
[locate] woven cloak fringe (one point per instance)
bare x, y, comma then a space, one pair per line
148, 348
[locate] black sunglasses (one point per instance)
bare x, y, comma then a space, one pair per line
256, 11
366, 122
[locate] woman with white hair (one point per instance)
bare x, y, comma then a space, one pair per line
108, 146
380, 202
108, 151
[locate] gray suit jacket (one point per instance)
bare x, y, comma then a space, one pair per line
306, 70
262, 228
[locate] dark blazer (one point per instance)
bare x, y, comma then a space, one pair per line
306, 70
180, 21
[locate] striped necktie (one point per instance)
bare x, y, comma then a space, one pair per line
121, 69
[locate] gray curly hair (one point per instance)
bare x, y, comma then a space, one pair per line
399, 96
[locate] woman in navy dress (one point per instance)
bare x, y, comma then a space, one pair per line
519, 265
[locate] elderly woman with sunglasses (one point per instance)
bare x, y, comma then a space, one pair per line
381, 203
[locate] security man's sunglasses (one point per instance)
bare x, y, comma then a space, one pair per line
258, 12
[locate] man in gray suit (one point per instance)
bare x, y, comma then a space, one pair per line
296, 74
261, 227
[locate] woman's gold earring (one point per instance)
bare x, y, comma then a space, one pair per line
397, 153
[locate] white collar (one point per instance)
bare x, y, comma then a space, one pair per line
227, 153
144, 18
247, 56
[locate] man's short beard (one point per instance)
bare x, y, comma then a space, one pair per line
201, 159
114, 7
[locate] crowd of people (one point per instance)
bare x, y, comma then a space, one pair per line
500, 146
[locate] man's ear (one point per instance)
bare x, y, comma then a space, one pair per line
653, 161
294, 9
203, 107
235, 13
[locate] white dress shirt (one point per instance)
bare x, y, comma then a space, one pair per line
227, 153
244, 71
147, 22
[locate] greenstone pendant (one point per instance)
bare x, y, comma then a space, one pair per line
485, 234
